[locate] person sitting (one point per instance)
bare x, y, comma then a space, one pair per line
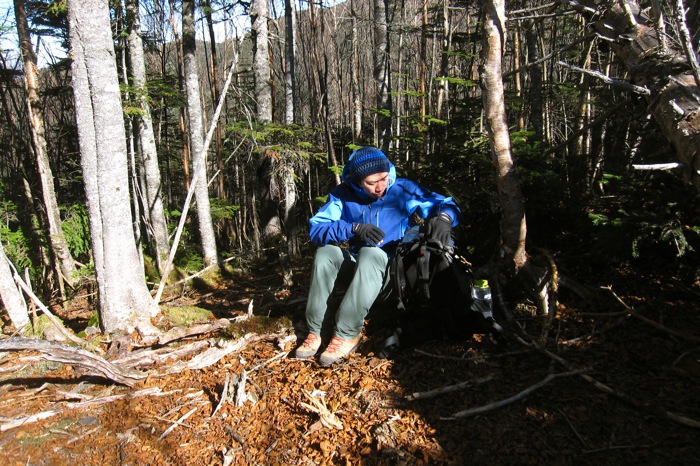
369, 210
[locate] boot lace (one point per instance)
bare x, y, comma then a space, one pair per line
335, 345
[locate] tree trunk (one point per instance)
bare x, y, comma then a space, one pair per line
444, 85
11, 296
675, 98
199, 156
185, 147
124, 300
535, 72
59, 245
289, 54
153, 190
513, 225
261, 61
423, 58
354, 72
215, 92
381, 76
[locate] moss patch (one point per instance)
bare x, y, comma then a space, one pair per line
187, 315
257, 325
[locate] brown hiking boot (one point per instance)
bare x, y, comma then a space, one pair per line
309, 347
337, 349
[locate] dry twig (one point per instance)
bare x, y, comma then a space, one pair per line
318, 406
448, 389
13, 423
654, 324
657, 410
177, 423
516, 397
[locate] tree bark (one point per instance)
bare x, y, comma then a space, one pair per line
513, 225
153, 190
215, 92
354, 78
444, 85
259, 10
57, 238
199, 155
381, 76
124, 300
289, 54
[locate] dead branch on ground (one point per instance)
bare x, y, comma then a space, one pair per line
147, 358
62, 353
654, 324
18, 422
512, 399
656, 410
447, 389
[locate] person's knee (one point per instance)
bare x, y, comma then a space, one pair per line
375, 256
328, 253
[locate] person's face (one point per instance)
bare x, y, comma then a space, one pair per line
375, 185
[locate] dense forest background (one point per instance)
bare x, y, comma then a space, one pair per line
402, 75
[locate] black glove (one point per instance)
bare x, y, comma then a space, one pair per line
439, 229
368, 233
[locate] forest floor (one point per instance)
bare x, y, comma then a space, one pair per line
636, 348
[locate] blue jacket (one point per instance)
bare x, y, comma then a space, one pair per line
348, 204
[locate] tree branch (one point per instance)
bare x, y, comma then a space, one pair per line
608, 80
59, 352
512, 399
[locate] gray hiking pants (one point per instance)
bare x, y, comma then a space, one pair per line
365, 276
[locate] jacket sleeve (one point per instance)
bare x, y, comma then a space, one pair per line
430, 204
327, 226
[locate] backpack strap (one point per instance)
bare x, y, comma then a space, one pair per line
423, 273
398, 276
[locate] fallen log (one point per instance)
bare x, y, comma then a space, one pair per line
58, 352
147, 357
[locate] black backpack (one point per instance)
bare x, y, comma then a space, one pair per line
433, 284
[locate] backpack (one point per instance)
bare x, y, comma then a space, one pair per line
433, 285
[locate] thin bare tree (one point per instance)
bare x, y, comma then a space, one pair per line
57, 239
152, 188
196, 131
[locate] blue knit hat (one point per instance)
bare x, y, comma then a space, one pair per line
364, 162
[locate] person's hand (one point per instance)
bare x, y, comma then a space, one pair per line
368, 233
439, 229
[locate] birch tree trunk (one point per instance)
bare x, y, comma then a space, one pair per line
59, 245
259, 10
513, 225
11, 296
199, 156
153, 189
124, 300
